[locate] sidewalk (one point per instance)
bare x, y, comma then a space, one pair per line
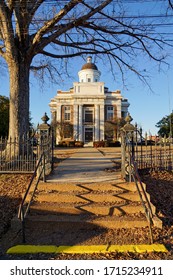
85, 165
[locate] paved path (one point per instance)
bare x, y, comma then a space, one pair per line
85, 165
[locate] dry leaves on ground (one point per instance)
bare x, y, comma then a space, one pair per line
11, 189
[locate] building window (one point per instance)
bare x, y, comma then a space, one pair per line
89, 80
123, 114
110, 113
88, 115
67, 130
67, 113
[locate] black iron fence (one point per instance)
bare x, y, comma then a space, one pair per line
153, 153
22, 156
13, 160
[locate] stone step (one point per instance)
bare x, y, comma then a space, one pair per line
96, 209
119, 186
129, 186
67, 187
88, 197
112, 222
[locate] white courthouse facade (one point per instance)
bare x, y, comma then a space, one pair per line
87, 106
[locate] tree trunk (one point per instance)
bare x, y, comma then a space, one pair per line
19, 105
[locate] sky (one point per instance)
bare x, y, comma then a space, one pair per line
147, 107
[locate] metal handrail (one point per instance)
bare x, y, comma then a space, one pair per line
23, 211
145, 202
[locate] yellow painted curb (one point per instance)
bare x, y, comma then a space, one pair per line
150, 248
89, 249
86, 249
122, 248
31, 249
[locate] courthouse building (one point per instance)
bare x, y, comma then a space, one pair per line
86, 107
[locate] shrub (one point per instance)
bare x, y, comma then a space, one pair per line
70, 143
114, 144
79, 144
66, 143
99, 144
62, 144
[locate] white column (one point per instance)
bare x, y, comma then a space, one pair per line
58, 113
97, 123
102, 120
80, 123
119, 109
75, 122
58, 119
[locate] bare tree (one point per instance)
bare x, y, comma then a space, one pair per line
64, 130
33, 33
112, 128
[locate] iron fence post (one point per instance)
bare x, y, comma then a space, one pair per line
123, 154
127, 141
23, 226
52, 147
44, 171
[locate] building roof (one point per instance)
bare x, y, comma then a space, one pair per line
89, 64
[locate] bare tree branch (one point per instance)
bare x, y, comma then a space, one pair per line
5, 24
79, 53
51, 23
170, 3
1, 51
33, 6
36, 68
61, 29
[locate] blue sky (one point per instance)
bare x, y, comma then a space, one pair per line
146, 107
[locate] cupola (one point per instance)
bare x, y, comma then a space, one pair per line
89, 72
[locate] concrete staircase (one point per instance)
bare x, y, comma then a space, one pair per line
109, 205
100, 208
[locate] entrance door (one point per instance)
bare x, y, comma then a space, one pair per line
88, 134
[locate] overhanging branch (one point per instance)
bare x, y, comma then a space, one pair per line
61, 29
